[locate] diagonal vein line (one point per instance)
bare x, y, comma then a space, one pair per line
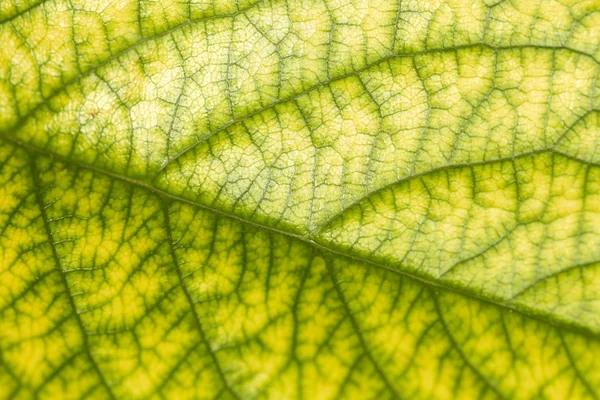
446, 167
86, 346
459, 350
197, 320
576, 369
554, 275
357, 330
78, 77
350, 74
21, 122
22, 12
325, 247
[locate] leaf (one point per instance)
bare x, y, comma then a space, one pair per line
299, 199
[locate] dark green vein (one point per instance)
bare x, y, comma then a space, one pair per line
459, 350
326, 247
78, 77
367, 352
84, 337
24, 11
197, 320
350, 74
578, 373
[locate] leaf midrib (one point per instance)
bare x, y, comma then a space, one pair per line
327, 248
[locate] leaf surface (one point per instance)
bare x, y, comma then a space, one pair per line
299, 199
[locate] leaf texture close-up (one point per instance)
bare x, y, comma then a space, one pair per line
299, 199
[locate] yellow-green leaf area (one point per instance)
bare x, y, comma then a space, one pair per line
295, 199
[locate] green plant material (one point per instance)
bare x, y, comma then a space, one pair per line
313, 199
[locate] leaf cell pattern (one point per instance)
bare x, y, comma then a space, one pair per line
299, 199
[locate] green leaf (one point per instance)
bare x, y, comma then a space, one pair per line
311, 199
